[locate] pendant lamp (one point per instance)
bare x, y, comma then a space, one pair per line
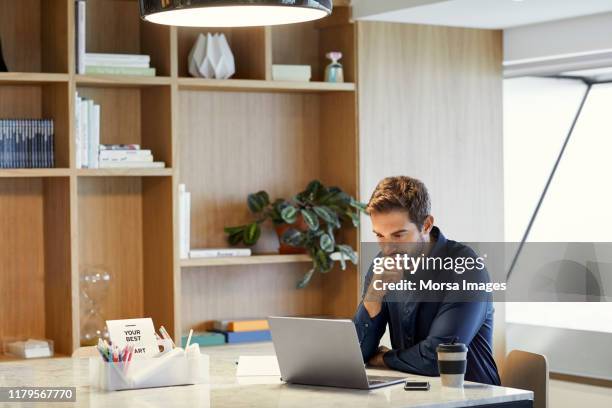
232, 13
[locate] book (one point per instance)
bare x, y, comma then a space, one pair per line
26, 143
113, 70
184, 221
119, 147
205, 339
118, 59
143, 158
219, 252
241, 325
95, 137
301, 73
133, 164
247, 336
121, 154
80, 18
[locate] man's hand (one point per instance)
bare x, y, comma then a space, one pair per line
373, 298
377, 359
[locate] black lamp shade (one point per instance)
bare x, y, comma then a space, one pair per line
233, 13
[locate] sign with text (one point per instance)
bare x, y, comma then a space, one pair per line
137, 332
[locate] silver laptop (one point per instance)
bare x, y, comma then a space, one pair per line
322, 352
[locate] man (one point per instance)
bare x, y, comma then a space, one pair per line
400, 212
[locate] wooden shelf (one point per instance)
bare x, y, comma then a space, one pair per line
129, 81
255, 85
4, 173
245, 260
30, 78
6, 358
130, 172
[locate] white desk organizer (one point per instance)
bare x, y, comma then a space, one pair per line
176, 367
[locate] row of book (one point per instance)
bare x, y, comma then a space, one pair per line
26, 143
87, 116
232, 331
105, 64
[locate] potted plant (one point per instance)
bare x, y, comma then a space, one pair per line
305, 223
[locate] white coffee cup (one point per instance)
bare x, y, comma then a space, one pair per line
452, 362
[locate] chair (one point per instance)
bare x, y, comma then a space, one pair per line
84, 352
527, 371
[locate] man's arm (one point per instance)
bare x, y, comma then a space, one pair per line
460, 320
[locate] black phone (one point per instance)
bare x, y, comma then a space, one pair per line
416, 386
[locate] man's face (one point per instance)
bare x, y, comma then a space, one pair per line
396, 233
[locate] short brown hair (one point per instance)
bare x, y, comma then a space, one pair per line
401, 193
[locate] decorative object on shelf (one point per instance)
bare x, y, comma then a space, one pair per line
3, 67
93, 289
309, 220
233, 13
334, 71
300, 73
211, 57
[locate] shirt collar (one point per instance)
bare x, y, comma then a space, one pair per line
439, 247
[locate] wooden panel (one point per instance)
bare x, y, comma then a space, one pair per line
58, 281
110, 238
257, 291
297, 44
22, 258
55, 44
274, 146
338, 157
55, 102
119, 113
249, 85
156, 122
113, 26
20, 102
339, 38
155, 41
158, 253
20, 25
247, 44
245, 260
431, 107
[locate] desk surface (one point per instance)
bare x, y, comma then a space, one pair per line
226, 390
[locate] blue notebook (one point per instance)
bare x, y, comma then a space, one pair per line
248, 336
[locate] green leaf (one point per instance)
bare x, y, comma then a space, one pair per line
358, 205
342, 260
355, 218
328, 215
322, 261
236, 238
326, 243
311, 219
306, 279
289, 214
293, 237
232, 230
348, 251
258, 201
251, 234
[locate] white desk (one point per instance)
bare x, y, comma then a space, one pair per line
225, 390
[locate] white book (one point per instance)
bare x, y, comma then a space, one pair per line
121, 64
183, 251
132, 165
126, 159
80, 32
219, 252
301, 73
77, 141
96, 136
90, 134
117, 58
120, 154
84, 133
187, 221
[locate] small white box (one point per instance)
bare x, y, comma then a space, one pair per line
300, 73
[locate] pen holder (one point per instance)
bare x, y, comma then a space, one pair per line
174, 368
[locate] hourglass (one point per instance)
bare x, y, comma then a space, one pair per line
93, 289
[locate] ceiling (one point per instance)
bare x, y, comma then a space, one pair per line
493, 14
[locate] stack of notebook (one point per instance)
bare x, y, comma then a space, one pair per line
243, 331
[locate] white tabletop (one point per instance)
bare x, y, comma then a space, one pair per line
226, 390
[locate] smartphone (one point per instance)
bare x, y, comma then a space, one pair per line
416, 386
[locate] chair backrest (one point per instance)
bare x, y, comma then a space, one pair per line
527, 371
84, 352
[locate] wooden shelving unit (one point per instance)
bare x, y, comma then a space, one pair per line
245, 260
224, 139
